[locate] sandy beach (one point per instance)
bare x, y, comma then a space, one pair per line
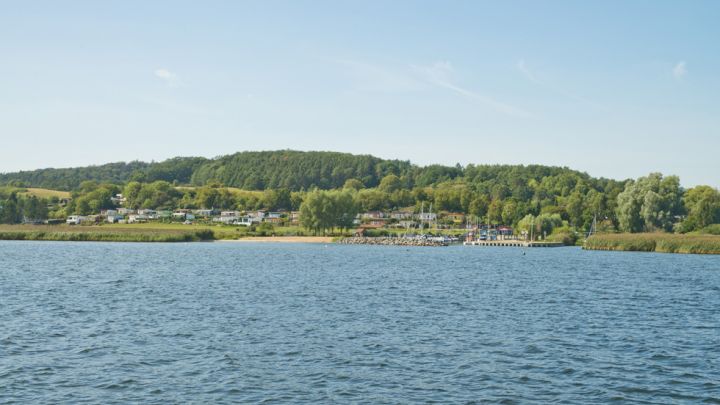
283, 239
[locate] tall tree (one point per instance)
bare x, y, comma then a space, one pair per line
703, 208
651, 203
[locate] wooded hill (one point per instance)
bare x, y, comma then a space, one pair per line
286, 169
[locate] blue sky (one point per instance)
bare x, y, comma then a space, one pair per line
614, 88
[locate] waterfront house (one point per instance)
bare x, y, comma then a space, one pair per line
504, 232
136, 218
273, 218
113, 219
256, 217
401, 215
372, 215
455, 217
183, 215
80, 219
406, 224
228, 217
244, 221
227, 220
107, 213
427, 216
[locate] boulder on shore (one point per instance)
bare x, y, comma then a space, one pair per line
389, 241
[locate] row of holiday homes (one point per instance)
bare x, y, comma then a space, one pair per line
374, 219
131, 216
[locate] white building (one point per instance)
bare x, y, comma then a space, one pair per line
427, 216
136, 218
234, 220
401, 215
112, 219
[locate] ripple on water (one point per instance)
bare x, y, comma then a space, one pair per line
225, 323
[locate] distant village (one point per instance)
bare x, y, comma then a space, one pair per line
399, 219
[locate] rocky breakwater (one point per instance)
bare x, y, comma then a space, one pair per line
387, 241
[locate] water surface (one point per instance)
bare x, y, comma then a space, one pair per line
280, 323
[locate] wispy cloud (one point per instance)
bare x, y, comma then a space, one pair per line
369, 77
525, 70
680, 70
441, 74
532, 77
171, 79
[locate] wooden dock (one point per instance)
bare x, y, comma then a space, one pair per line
512, 243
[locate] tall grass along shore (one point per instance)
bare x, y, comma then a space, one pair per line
151, 232
655, 242
102, 234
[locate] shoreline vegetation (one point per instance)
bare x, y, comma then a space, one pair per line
102, 234
637, 242
152, 233
655, 242
298, 194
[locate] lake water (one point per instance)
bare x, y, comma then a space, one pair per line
282, 323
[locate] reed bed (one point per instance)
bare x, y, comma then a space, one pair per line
102, 234
655, 242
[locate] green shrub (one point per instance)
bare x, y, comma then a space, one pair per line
713, 229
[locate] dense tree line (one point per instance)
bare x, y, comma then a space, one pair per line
16, 208
295, 170
176, 170
291, 170
71, 178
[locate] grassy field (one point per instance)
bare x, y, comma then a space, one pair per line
47, 193
40, 192
655, 242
